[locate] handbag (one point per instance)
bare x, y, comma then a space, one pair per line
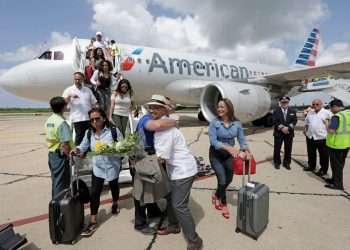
238, 163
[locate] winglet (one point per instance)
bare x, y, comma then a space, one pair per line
308, 54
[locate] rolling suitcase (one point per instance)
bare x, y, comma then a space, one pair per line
66, 213
9, 240
252, 207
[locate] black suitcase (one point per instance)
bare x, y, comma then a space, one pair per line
9, 240
252, 207
66, 214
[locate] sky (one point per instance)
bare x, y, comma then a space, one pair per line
268, 31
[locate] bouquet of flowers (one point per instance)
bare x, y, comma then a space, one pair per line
129, 146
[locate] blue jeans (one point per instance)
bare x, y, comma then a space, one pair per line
60, 172
222, 165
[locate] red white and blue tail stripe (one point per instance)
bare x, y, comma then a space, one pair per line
308, 54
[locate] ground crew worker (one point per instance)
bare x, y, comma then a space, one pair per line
59, 141
338, 142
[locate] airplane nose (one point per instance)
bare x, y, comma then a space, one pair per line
8, 80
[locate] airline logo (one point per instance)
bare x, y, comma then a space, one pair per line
308, 54
128, 62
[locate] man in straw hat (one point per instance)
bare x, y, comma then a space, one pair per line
170, 146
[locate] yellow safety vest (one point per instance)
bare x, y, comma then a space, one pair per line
51, 129
341, 138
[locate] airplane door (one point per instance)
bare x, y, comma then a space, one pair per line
78, 57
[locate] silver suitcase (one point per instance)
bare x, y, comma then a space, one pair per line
252, 207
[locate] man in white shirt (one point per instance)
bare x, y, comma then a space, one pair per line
181, 167
80, 100
316, 123
100, 43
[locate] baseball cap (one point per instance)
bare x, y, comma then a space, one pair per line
98, 33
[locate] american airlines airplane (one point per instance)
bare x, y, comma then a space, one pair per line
189, 79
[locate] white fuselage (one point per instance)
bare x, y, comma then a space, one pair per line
180, 76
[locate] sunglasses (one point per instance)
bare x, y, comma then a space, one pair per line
96, 119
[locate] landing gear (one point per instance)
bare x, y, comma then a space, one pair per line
201, 117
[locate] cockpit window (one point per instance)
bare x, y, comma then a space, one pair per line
46, 55
58, 55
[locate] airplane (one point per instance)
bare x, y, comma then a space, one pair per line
188, 79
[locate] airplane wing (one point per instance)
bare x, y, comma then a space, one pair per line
294, 77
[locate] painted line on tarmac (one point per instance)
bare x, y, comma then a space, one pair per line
24, 177
30, 220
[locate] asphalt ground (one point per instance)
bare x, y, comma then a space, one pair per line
303, 214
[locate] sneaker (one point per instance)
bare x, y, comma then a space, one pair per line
91, 228
197, 245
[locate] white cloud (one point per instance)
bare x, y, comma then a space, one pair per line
28, 52
336, 52
248, 30
2, 71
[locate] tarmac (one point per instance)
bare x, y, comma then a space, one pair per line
303, 213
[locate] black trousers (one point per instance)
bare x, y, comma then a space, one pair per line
337, 158
80, 129
96, 190
312, 147
143, 212
288, 143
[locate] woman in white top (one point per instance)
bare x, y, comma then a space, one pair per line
121, 105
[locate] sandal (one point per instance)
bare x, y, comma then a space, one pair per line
216, 202
225, 212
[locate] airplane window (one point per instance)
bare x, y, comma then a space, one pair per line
185, 65
250, 72
58, 55
139, 60
147, 61
197, 66
46, 55
212, 67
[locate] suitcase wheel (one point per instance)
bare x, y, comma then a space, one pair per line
54, 242
237, 230
73, 242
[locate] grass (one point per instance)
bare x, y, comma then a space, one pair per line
23, 110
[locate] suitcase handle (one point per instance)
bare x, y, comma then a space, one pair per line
74, 173
249, 169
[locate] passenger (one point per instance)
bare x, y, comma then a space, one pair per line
116, 54
316, 123
90, 48
59, 142
146, 126
284, 120
181, 166
338, 142
102, 79
222, 133
121, 105
99, 56
89, 71
100, 43
104, 168
80, 100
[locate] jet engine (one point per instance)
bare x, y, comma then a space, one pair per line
250, 102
